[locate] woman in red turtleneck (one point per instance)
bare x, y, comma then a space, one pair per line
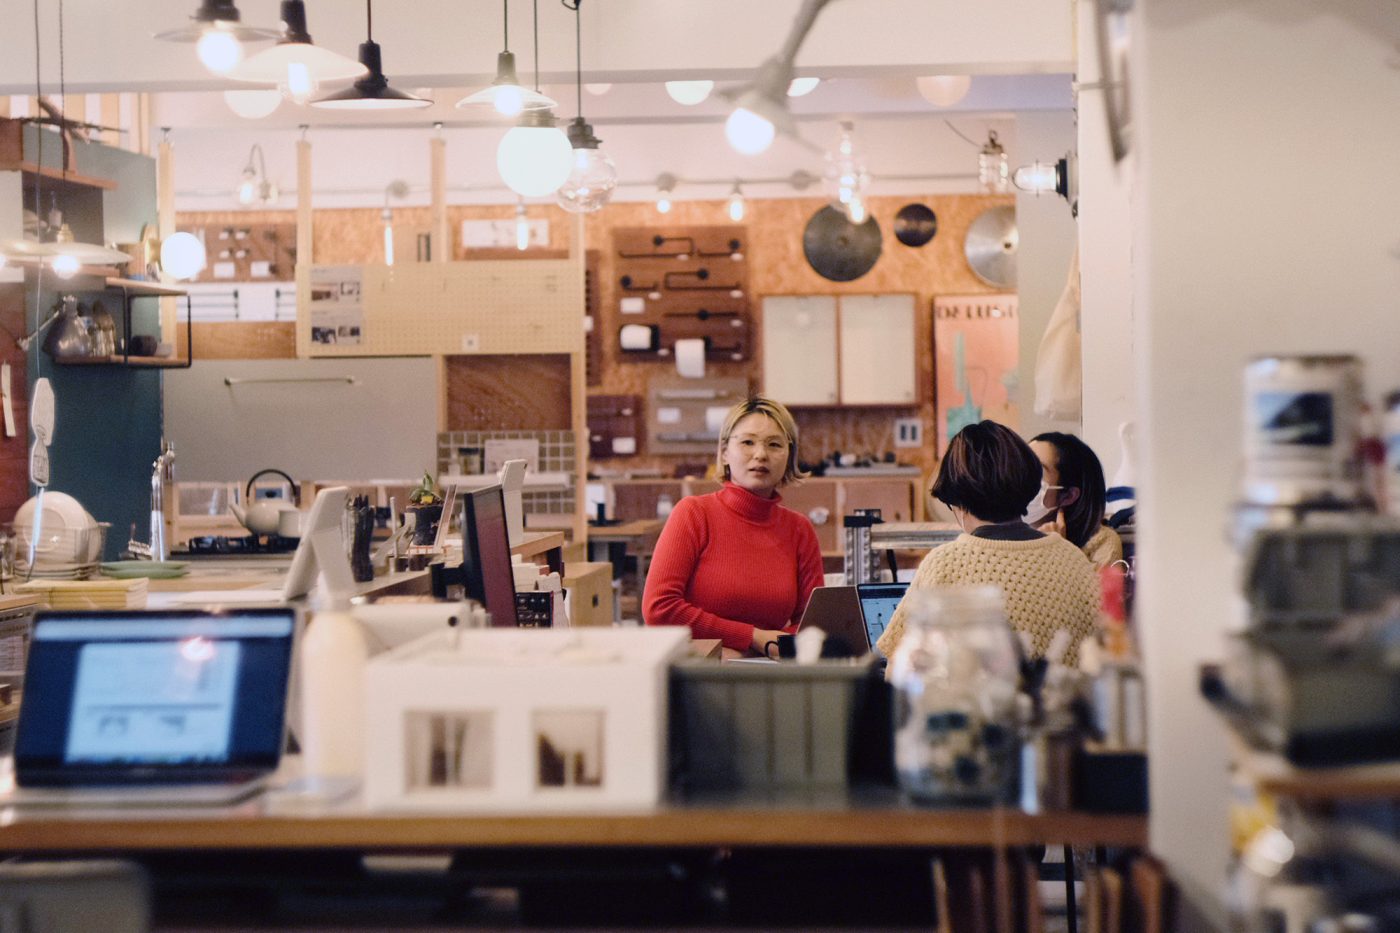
735, 565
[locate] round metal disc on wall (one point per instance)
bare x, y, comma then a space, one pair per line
838, 249
991, 244
915, 224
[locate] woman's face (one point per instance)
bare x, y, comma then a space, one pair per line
757, 454
1050, 462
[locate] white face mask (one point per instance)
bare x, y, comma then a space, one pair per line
1038, 511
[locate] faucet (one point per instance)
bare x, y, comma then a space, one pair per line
162, 478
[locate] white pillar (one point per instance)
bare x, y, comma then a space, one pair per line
1265, 226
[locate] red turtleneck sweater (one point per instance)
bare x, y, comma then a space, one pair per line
730, 562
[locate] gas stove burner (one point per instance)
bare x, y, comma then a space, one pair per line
249, 544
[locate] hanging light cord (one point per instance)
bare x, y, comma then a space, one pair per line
537, 45
505, 24
62, 88
578, 50
971, 142
369, 20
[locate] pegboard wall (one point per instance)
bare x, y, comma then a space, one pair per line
242, 250
494, 307
682, 283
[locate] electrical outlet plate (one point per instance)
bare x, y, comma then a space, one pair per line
908, 432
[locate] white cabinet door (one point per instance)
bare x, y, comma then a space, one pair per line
877, 350
799, 349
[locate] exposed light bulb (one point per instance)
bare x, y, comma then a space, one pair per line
736, 205
855, 210
663, 202
65, 266
388, 237
509, 100
534, 160
522, 228
590, 184
297, 84
247, 189
689, 93
1037, 177
801, 87
219, 50
747, 132
182, 255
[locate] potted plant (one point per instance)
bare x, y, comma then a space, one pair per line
425, 502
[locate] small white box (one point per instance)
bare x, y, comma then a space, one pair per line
521, 719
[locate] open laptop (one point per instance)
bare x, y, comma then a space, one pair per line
180, 707
877, 605
836, 611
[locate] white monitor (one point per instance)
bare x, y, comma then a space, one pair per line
322, 550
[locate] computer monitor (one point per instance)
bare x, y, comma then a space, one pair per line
486, 572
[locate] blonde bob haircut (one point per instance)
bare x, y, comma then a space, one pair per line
758, 405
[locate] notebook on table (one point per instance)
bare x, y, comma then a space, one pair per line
877, 605
180, 707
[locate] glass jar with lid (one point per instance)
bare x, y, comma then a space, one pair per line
956, 673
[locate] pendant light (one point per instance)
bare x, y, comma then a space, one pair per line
506, 95
254, 186
736, 204
372, 92
993, 169
593, 177
689, 93
846, 178
535, 157
522, 227
295, 64
65, 255
218, 35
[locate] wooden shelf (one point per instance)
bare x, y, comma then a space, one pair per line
140, 362
58, 174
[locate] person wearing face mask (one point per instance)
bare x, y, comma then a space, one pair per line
735, 564
988, 478
1071, 501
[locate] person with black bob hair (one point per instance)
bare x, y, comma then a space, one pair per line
1071, 500
987, 478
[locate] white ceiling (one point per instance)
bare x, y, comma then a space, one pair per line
868, 53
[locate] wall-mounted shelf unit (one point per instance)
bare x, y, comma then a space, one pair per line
99, 279
59, 175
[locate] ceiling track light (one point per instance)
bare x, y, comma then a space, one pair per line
760, 108
296, 64
593, 177
505, 94
217, 30
372, 92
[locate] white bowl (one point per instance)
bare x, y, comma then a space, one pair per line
64, 534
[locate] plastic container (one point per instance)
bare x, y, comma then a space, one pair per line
333, 657
955, 674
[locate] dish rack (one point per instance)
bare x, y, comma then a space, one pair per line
59, 554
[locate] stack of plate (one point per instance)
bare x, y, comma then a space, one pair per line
88, 594
67, 544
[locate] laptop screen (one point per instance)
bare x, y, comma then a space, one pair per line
877, 604
116, 697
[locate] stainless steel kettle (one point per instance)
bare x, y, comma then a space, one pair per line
70, 335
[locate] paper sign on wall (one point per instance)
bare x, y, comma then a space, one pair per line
336, 311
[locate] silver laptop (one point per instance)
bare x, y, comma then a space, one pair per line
181, 707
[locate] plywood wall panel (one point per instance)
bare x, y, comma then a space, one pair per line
241, 340
508, 393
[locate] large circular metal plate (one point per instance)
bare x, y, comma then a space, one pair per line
991, 244
915, 224
838, 249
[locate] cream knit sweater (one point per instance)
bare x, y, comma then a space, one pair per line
1048, 582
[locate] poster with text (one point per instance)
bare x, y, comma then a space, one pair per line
336, 309
976, 352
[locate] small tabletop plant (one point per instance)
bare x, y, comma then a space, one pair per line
426, 492
425, 501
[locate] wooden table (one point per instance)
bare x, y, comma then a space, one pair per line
635, 537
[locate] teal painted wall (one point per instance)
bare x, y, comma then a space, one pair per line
108, 419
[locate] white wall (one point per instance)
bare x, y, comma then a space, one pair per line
1105, 266
1048, 235
1268, 224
